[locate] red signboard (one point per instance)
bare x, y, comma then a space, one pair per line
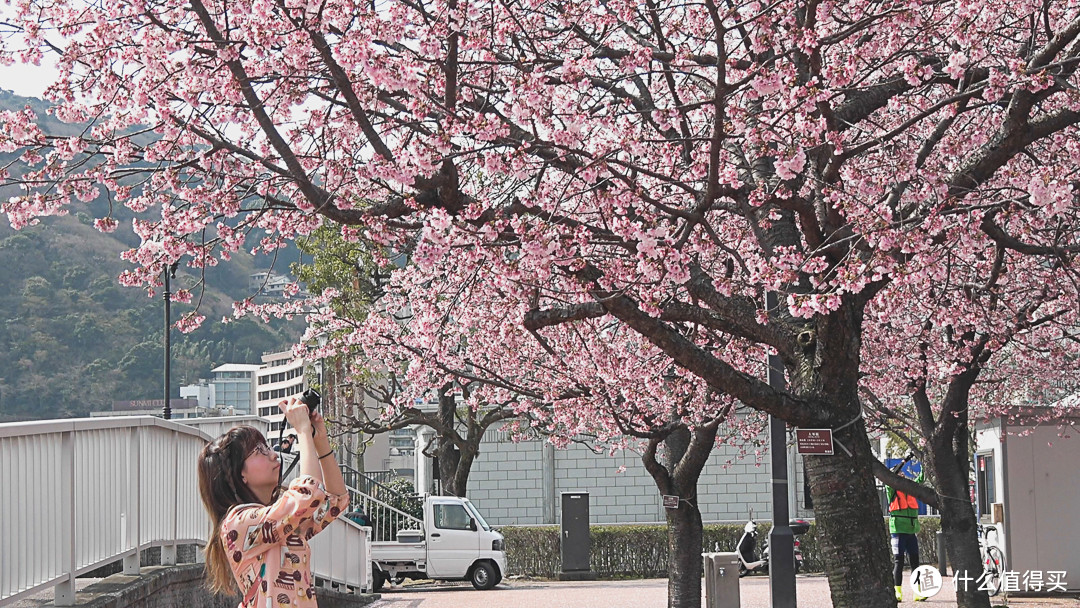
814, 441
671, 502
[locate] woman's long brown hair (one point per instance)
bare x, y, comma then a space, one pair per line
222, 487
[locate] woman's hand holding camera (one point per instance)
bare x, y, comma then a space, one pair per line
302, 419
298, 416
311, 435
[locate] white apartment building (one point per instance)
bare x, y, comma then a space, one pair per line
279, 377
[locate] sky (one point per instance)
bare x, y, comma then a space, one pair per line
25, 80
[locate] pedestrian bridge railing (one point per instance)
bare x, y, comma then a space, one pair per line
341, 555
78, 494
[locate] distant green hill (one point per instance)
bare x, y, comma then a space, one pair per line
72, 340
48, 123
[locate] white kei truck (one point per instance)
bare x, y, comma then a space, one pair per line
455, 544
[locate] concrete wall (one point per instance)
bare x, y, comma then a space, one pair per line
516, 483
156, 587
182, 587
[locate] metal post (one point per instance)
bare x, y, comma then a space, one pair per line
781, 539
166, 411
168, 550
130, 524
547, 467
64, 594
941, 561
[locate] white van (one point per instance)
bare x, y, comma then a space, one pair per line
456, 544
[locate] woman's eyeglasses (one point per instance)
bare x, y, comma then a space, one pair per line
263, 449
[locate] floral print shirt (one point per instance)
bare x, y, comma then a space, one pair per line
268, 545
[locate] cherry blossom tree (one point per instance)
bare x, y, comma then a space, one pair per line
581, 382
591, 381
362, 392
667, 421
582, 179
997, 333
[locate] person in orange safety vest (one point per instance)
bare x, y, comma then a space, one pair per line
903, 527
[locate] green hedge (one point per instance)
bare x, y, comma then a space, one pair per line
640, 551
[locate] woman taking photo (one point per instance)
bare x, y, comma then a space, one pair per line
259, 543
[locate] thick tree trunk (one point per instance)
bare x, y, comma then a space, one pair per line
457, 451
449, 456
958, 522
685, 456
684, 557
961, 543
464, 466
684, 523
850, 524
449, 465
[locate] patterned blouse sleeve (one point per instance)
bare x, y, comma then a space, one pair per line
332, 507
253, 528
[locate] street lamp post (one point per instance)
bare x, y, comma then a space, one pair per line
781, 539
169, 272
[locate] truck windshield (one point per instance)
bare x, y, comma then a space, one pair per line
476, 515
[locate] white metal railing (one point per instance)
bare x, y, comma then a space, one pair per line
341, 554
81, 493
78, 494
386, 519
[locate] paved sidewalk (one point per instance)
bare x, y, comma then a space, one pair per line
812, 590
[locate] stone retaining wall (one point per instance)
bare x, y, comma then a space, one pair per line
183, 587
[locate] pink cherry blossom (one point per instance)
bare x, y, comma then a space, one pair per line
595, 199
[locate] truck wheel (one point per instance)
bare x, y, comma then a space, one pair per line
378, 579
483, 576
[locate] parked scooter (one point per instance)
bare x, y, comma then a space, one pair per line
748, 561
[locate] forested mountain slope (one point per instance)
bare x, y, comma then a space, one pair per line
72, 339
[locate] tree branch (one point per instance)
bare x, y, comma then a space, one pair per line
908, 486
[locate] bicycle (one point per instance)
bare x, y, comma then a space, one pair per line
993, 559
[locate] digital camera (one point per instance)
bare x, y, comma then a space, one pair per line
312, 399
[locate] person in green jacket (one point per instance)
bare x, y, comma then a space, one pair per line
903, 527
